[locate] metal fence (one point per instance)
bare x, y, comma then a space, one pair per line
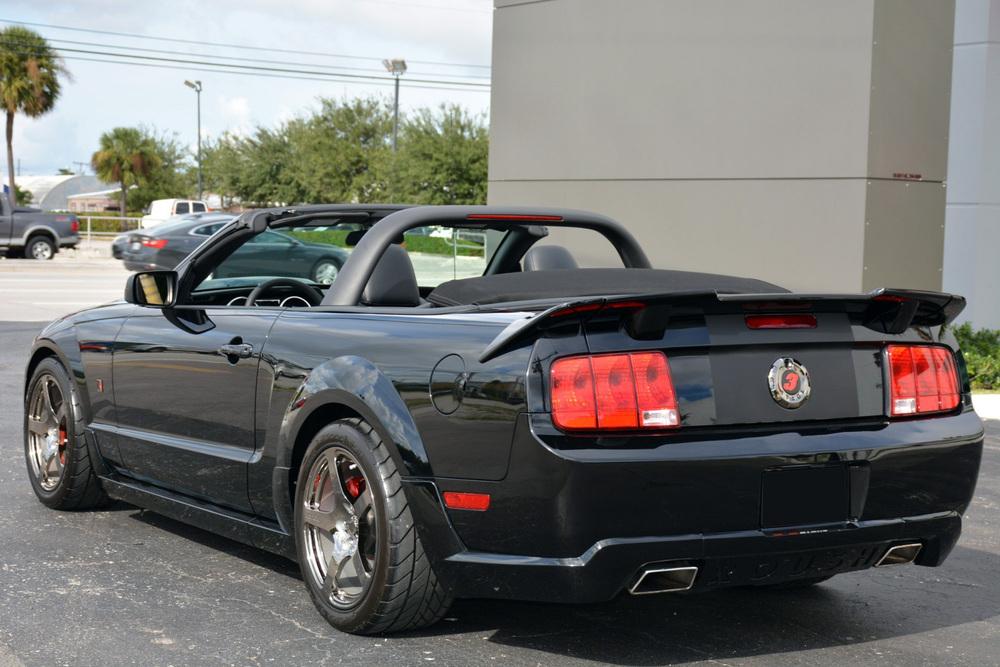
119, 224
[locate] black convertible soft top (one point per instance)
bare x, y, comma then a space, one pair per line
531, 285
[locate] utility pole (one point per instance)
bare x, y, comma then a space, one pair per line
80, 167
196, 86
396, 67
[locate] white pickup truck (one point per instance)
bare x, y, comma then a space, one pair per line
162, 209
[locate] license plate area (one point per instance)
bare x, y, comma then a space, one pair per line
804, 495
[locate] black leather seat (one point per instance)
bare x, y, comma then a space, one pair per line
393, 282
548, 258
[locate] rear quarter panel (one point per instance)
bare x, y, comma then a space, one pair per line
381, 366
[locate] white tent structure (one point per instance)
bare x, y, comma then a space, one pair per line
50, 193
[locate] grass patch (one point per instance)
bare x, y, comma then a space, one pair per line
413, 242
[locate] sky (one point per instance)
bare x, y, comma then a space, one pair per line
100, 96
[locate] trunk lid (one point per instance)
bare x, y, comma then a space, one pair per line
724, 372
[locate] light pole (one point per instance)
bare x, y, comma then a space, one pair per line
396, 67
196, 86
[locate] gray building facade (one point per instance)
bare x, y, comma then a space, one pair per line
799, 141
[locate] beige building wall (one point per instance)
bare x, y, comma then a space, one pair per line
764, 138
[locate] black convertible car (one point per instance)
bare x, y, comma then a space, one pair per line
528, 429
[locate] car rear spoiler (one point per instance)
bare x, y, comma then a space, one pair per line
889, 311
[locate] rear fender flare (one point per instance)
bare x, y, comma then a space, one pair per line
357, 384
35, 230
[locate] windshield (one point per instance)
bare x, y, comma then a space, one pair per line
315, 254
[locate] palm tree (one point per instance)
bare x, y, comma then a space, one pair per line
127, 156
29, 81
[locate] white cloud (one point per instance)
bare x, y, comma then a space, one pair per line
235, 113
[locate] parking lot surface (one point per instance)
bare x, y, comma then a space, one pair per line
128, 587
41, 291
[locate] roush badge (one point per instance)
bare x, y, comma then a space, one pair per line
789, 383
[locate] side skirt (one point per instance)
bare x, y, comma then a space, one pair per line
235, 526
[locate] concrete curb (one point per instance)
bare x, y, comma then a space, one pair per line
987, 405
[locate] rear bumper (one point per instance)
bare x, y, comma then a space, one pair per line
578, 526
726, 559
138, 265
69, 241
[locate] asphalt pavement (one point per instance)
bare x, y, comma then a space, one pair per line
129, 587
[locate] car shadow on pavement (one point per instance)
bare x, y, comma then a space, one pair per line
239, 550
745, 622
722, 625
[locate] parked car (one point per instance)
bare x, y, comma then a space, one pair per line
121, 242
541, 432
33, 233
166, 245
162, 210
281, 254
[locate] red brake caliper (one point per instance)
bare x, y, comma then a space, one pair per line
62, 445
355, 486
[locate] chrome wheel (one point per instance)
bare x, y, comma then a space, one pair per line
339, 527
41, 250
325, 273
48, 432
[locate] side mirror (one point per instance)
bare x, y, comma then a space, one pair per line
156, 289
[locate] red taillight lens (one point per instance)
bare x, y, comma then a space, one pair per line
477, 502
794, 321
155, 243
922, 379
574, 405
655, 391
614, 387
74, 226
613, 392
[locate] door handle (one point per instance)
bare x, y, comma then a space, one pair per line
238, 350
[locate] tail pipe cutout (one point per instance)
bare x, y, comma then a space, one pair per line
901, 554
660, 579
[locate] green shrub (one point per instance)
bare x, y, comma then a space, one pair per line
106, 222
981, 350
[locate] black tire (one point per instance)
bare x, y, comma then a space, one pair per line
78, 487
404, 592
796, 583
40, 247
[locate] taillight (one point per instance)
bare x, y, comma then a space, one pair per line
74, 226
154, 243
922, 379
613, 392
790, 321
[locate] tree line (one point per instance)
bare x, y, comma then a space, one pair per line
342, 152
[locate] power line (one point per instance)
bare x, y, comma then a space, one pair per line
329, 79
277, 70
231, 46
250, 60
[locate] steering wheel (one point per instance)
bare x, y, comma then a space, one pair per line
298, 288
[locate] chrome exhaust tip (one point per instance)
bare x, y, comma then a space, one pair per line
664, 580
901, 554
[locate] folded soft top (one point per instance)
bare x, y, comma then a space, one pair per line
531, 285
